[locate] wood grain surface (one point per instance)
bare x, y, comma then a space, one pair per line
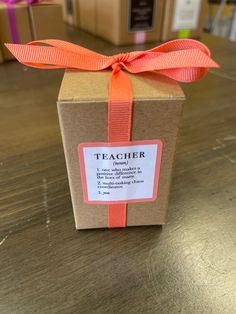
188, 266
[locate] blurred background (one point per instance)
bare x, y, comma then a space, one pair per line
188, 266
119, 22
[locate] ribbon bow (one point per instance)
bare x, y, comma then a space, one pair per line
183, 60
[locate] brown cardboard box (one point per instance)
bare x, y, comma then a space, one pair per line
1, 56
46, 21
183, 19
88, 15
83, 109
122, 22
71, 12
23, 27
63, 6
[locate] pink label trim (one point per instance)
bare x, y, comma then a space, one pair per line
140, 38
117, 144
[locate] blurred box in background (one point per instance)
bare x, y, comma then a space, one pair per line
62, 4
88, 8
183, 19
46, 21
1, 56
221, 18
71, 12
22, 23
122, 22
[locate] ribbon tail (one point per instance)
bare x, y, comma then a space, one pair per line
119, 130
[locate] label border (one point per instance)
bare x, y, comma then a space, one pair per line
80, 148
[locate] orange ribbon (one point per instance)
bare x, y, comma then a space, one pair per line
183, 60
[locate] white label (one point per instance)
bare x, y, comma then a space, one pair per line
123, 172
186, 14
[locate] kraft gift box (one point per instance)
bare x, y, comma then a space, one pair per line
122, 22
83, 109
183, 19
46, 21
22, 25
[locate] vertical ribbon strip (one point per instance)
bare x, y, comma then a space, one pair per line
185, 60
119, 127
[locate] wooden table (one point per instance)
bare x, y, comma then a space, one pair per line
188, 266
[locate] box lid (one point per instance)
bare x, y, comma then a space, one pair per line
93, 86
